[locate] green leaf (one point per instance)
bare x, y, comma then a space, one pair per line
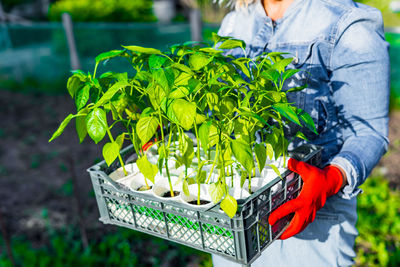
240, 127
232, 43
227, 105
185, 188
271, 74
156, 61
188, 152
243, 177
200, 118
217, 38
147, 112
273, 96
242, 67
182, 67
144, 76
80, 124
110, 152
229, 206
82, 97
261, 155
61, 128
204, 132
183, 79
161, 79
296, 89
212, 100
306, 118
287, 111
185, 112
110, 93
166, 106
179, 92
75, 82
198, 61
210, 50
282, 64
242, 152
301, 135
108, 55
202, 177
275, 169
269, 151
148, 170
213, 136
289, 73
254, 115
120, 140
156, 95
143, 50
216, 192
146, 127
96, 124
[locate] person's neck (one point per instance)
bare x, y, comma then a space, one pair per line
275, 9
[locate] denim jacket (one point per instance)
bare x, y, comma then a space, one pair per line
341, 48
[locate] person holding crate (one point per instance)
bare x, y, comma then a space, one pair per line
340, 46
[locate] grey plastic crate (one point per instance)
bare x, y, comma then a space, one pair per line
240, 239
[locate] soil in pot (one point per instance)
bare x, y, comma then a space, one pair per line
168, 194
202, 202
144, 188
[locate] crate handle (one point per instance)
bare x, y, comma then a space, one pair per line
97, 172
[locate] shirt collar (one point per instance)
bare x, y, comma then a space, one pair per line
259, 8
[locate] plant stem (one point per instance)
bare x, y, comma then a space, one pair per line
214, 162
250, 183
165, 154
169, 178
198, 162
95, 70
119, 155
223, 171
232, 175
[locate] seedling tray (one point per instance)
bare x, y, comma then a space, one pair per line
240, 239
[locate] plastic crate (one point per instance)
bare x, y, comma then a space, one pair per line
240, 239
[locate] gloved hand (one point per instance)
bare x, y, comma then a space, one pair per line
318, 185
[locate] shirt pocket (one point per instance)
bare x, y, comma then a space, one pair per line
302, 60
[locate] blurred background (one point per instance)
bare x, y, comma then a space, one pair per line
48, 213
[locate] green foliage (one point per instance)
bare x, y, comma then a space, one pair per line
379, 224
103, 10
223, 101
390, 18
121, 248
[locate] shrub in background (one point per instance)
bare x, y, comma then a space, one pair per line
103, 10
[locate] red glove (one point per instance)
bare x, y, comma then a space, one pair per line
318, 185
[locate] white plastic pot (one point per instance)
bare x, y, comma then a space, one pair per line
238, 193
137, 181
267, 175
119, 173
161, 186
193, 194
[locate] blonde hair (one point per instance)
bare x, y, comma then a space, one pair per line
238, 4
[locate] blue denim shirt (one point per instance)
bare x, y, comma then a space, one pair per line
341, 48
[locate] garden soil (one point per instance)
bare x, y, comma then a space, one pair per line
36, 185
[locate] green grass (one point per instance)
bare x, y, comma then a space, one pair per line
378, 224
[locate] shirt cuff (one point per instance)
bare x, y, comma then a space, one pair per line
349, 165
